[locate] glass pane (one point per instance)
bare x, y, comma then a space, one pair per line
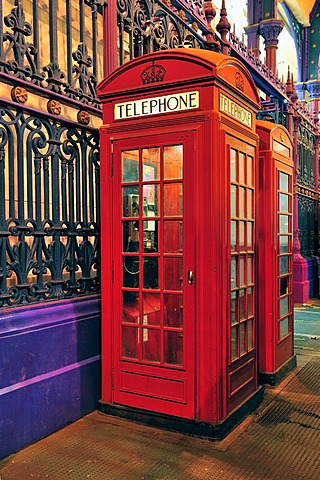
130, 344
249, 270
173, 345
150, 236
284, 265
150, 272
151, 345
233, 272
283, 286
284, 306
233, 235
172, 237
283, 202
150, 200
151, 164
250, 301
249, 171
151, 309
173, 311
234, 307
284, 243
242, 192
130, 166
130, 236
130, 307
249, 235
234, 343
284, 223
242, 338
241, 235
233, 196
131, 272
172, 200
249, 334
283, 181
284, 327
242, 167
173, 273
249, 203
173, 161
241, 271
242, 301
233, 165
130, 201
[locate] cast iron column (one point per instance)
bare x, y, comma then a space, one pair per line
270, 31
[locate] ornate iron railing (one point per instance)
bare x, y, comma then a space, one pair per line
53, 48
306, 152
49, 207
49, 165
307, 211
145, 26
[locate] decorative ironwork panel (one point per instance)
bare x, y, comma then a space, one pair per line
307, 211
56, 46
145, 26
306, 152
49, 208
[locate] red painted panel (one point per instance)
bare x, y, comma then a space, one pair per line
156, 359
153, 386
275, 233
241, 377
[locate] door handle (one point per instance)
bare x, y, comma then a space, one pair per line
190, 277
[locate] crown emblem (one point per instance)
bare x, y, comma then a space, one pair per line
152, 74
239, 81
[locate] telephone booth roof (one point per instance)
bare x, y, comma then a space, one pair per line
179, 68
273, 130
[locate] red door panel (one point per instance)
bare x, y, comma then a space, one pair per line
153, 254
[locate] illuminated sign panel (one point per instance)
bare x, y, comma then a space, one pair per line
235, 110
157, 105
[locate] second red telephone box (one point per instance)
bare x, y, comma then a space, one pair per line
275, 253
178, 175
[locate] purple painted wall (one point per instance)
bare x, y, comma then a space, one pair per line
49, 368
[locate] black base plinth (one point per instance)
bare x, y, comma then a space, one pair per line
274, 378
213, 431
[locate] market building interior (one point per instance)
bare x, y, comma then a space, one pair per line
153, 264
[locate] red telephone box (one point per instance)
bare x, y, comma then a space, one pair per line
178, 163
275, 253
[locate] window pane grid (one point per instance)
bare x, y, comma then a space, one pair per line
152, 255
242, 259
284, 267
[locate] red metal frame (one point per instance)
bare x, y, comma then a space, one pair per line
178, 399
275, 159
242, 366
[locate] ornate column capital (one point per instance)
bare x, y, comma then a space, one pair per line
270, 30
300, 89
313, 87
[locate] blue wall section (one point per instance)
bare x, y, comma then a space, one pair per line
49, 368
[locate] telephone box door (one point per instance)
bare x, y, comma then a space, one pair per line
153, 282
